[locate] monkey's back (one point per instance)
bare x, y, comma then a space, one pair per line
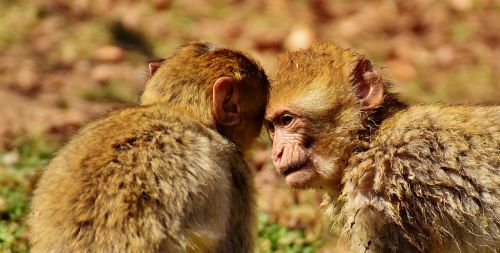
431, 170
142, 179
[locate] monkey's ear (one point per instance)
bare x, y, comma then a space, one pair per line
368, 85
226, 101
154, 65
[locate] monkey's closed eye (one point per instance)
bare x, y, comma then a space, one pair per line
286, 119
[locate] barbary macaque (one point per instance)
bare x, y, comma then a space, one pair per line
397, 177
167, 175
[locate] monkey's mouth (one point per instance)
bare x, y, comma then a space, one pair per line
294, 167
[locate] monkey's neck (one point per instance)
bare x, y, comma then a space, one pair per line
233, 136
188, 111
373, 119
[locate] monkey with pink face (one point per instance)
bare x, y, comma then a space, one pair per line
398, 178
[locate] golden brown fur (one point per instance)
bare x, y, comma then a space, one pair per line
423, 178
157, 177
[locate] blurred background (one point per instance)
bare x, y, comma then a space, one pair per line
64, 63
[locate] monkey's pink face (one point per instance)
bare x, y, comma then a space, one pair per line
291, 153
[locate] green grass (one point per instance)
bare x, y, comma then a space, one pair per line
18, 168
276, 238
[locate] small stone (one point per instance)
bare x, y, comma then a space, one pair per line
402, 70
300, 38
102, 73
109, 54
445, 55
461, 5
10, 158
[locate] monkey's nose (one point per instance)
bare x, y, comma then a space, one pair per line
278, 154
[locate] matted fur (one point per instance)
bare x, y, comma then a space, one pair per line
428, 180
423, 178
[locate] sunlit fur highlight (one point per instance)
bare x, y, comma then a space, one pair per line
422, 178
159, 176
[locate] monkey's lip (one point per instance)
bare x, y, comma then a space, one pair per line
294, 167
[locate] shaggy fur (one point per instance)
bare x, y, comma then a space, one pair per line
154, 187
427, 180
157, 177
422, 178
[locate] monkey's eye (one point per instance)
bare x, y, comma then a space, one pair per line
286, 119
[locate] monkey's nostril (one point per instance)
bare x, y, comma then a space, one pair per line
278, 155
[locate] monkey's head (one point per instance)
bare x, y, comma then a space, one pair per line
219, 87
319, 101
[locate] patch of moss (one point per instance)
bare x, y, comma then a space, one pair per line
276, 238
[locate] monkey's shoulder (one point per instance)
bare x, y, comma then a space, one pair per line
444, 135
140, 125
146, 171
425, 121
139, 148
434, 146
427, 144
435, 158
139, 119
138, 139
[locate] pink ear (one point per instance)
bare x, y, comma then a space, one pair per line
369, 86
374, 96
154, 65
226, 101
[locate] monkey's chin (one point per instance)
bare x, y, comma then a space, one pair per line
302, 178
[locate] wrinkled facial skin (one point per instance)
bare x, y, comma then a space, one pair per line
292, 152
313, 114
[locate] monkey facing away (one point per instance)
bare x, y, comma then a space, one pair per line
423, 178
164, 176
